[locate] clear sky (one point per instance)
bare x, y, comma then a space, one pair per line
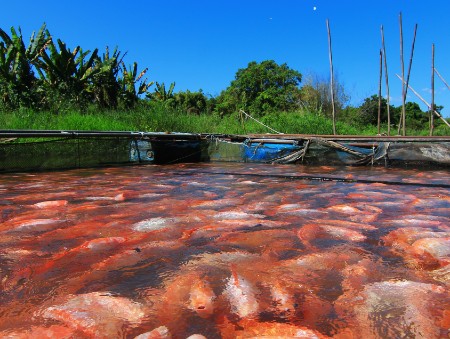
201, 44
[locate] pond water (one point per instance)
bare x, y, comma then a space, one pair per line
222, 250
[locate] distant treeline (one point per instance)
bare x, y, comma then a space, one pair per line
45, 75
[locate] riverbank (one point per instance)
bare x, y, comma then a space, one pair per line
157, 118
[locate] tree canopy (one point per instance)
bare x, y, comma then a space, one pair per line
261, 88
316, 95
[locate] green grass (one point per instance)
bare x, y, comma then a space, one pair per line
156, 118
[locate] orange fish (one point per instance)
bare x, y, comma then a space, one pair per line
51, 204
310, 232
97, 314
364, 213
241, 295
201, 298
53, 331
394, 308
70, 261
183, 296
161, 332
249, 328
432, 249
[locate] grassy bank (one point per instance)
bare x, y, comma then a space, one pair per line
156, 118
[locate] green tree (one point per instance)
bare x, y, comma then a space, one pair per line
368, 111
316, 95
415, 118
261, 88
191, 102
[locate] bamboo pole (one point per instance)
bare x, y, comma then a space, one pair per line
379, 91
387, 82
331, 77
242, 121
401, 123
440, 77
432, 91
259, 122
409, 69
426, 103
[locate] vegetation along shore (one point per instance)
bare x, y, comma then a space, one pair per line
44, 84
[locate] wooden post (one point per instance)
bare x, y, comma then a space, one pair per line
387, 83
409, 70
331, 77
432, 91
379, 91
242, 121
401, 122
440, 77
426, 103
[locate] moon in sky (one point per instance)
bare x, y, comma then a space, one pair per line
314, 8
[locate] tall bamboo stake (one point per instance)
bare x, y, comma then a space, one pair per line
426, 103
440, 77
432, 91
402, 119
242, 121
409, 69
379, 91
331, 77
387, 82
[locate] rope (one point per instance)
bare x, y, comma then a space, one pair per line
336, 145
259, 122
381, 151
308, 142
315, 178
290, 158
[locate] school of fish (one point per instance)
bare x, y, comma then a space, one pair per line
225, 250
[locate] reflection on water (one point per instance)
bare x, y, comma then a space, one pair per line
225, 250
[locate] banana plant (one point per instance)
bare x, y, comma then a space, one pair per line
7, 62
128, 83
7, 79
105, 86
24, 56
160, 93
67, 72
65, 65
16, 65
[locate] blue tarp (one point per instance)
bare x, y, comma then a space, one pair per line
267, 152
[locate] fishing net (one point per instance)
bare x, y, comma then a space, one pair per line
44, 153
21, 155
223, 150
321, 151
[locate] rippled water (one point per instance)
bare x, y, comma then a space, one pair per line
225, 251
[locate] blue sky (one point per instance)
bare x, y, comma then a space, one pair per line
201, 44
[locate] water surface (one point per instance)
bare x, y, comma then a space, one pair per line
224, 251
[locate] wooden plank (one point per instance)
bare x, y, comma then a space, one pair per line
352, 137
95, 134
